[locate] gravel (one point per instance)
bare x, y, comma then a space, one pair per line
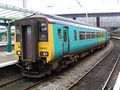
65, 79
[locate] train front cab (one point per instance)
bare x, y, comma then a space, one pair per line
34, 46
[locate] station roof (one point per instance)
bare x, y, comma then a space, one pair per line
107, 14
12, 13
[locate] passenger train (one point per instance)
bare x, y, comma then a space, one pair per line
115, 33
45, 43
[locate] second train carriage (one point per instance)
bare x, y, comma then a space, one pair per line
46, 43
115, 33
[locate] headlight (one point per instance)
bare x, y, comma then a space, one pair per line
18, 52
44, 53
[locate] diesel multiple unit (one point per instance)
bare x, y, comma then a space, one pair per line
46, 43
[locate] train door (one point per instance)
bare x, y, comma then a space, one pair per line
29, 41
65, 41
106, 35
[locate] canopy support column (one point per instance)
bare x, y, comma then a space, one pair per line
0, 37
9, 44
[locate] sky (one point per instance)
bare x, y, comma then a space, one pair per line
67, 6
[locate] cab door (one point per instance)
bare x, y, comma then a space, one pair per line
29, 41
65, 41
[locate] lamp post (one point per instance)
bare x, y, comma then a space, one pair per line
24, 3
86, 14
118, 5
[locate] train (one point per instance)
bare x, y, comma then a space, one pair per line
115, 33
46, 43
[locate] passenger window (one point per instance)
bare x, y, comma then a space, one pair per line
59, 34
88, 35
93, 34
65, 35
81, 35
97, 35
75, 35
103, 34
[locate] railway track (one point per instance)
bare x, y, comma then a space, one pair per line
19, 84
30, 84
25, 83
16, 81
12, 81
109, 77
99, 75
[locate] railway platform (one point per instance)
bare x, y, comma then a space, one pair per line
7, 59
4, 47
4, 43
116, 38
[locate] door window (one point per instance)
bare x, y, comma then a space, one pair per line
65, 35
75, 35
59, 34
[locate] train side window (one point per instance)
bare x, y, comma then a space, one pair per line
88, 35
75, 35
65, 35
59, 34
18, 35
92, 35
97, 35
103, 34
81, 35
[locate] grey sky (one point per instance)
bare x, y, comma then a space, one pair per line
68, 6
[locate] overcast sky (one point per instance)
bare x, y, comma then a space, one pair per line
68, 6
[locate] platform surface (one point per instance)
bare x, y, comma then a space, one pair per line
7, 59
4, 43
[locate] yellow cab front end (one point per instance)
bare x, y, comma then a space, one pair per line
34, 46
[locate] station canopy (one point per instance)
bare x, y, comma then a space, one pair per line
12, 13
9, 14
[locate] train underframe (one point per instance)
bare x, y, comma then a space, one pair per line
40, 68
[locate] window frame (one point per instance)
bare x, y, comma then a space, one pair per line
75, 35
42, 32
88, 35
59, 34
65, 37
82, 35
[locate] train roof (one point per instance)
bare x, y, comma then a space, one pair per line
65, 21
